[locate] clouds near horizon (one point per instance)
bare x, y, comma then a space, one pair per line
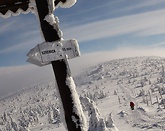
14, 78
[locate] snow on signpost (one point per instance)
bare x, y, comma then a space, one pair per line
44, 53
54, 50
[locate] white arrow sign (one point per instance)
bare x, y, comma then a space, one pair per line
44, 53
35, 62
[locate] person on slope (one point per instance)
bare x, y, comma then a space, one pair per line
132, 105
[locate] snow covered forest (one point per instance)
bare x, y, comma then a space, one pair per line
105, 91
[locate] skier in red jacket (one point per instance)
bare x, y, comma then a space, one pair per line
132, 105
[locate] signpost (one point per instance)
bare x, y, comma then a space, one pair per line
54, 51
46, 52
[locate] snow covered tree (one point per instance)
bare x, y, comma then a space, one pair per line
109, 122
56, 116
13, 124
8, 127
50, 116
23, 129
4, 118
96, 122
23, 121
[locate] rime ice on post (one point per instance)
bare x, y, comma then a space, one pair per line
54, 50
57, 54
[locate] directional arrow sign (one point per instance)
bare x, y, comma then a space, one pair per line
44, 53
35, 62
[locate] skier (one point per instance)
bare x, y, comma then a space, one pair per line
132, 105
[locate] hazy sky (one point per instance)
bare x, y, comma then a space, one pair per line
104, 25
107, 29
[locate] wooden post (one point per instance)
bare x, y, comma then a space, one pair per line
73, 120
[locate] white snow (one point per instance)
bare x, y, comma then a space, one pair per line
50, 19
32, 7
18, 12
67, 4
42, 54
77, 108
54, 21
37, 105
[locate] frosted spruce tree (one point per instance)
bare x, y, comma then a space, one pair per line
96, 122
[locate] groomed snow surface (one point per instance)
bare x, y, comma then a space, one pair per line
105, 92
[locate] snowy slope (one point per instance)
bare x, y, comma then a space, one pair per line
111, 85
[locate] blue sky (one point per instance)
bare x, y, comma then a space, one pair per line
105, 25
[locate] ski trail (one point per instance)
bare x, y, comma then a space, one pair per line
133, 115
126, 94
138, 117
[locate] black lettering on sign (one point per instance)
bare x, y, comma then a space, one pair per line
69, 48
65, 49
48, 52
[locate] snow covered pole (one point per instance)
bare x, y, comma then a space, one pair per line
73, 114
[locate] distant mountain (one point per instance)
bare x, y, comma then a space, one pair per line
111, 86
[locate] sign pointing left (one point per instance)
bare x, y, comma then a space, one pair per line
44, 53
